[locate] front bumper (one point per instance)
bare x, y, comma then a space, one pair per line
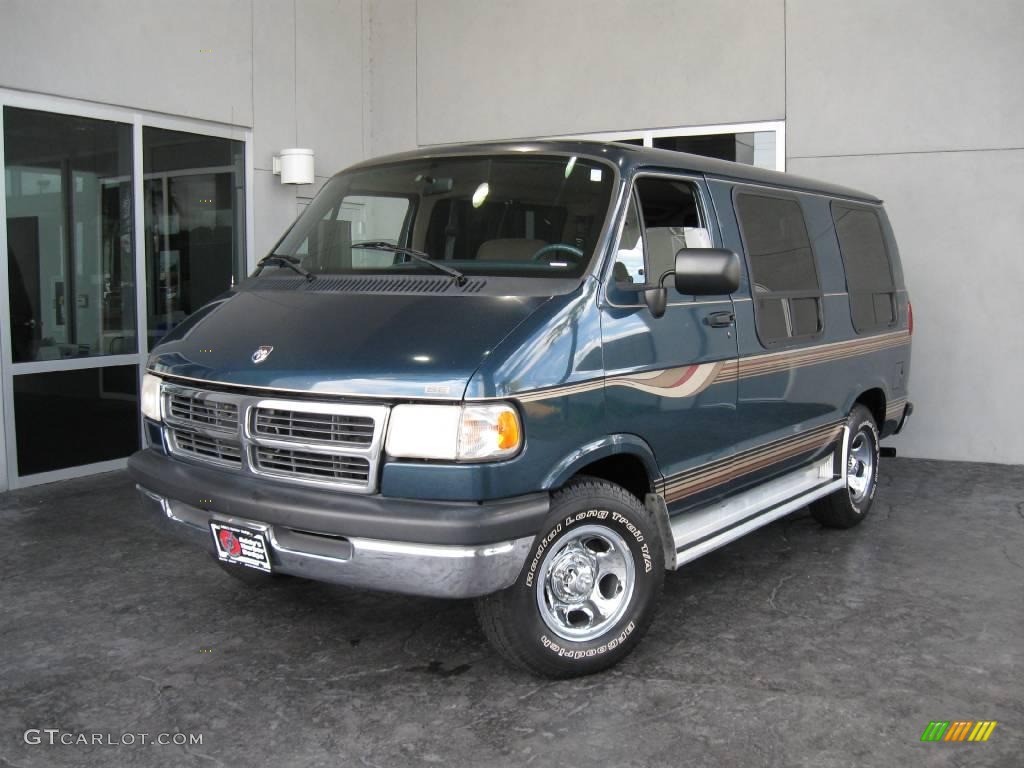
431, 570
430, 548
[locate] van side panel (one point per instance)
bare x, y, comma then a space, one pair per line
789, 395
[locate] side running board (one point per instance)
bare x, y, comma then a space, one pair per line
705, 529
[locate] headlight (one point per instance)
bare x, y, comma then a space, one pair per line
454, 433
150, 400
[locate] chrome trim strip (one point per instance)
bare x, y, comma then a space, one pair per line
431, 570
704, 530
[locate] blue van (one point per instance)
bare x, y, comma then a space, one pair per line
535, 374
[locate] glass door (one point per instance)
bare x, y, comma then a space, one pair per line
73, 333
194, 189
114, 231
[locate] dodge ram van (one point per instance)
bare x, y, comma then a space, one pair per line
538, 375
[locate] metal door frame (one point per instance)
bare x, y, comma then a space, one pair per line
138, 119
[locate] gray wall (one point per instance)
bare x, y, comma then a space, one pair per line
921, 102
918, 101
292, 71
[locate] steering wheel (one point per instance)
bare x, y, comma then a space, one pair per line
572, 250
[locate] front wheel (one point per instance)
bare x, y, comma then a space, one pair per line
588, 590
849, 506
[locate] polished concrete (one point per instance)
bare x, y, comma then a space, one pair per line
795, 646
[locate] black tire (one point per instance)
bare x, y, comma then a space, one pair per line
252, 577
586, 516
846, 508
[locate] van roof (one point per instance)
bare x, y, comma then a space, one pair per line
629, 158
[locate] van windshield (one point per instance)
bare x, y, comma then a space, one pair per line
521, 216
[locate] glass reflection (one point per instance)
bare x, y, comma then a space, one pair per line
69, 236
194, 222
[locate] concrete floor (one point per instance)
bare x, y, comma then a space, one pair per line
796, 646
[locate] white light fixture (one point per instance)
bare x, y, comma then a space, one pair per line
295, 166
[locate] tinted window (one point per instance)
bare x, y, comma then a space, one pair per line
787, 296
94, 411
194, 193
70, 236
868, 269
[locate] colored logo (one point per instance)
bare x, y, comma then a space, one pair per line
261, 354
959, 730
229, 542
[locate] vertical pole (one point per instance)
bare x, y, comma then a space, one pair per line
8, 447
139, 238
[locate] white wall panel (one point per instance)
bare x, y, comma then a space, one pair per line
533, 68
878, 76
188, 57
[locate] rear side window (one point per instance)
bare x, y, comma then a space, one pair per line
787, 293
868, 268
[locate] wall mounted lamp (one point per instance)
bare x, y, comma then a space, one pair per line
294, 166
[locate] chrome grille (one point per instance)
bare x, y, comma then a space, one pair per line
299, 441
213, 449
340, 428
192, 408
318, 466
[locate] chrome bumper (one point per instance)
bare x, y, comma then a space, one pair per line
431, 570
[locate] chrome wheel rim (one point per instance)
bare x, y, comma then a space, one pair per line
860, 466
586, 583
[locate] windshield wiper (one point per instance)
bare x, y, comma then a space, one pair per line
283, 260
420, 256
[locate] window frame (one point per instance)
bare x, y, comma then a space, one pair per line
738, 191
138, 119
647, 135
894, 289
692, 179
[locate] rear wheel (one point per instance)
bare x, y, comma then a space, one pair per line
589, 588
849, 506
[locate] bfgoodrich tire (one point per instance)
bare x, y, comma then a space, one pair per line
588, 590
849, 506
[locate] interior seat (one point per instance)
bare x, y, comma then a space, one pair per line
509, 249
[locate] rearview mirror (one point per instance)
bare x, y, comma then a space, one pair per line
707, 271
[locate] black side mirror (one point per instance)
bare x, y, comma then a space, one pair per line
707, 271
656, 299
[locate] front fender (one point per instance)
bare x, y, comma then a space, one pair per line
603, 447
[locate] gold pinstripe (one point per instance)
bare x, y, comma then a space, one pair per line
696, 479
774, 362
894, 408
724, 371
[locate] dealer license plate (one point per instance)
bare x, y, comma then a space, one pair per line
242, 546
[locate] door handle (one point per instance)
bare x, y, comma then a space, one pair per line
720, 319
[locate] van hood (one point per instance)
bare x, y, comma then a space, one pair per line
401, 346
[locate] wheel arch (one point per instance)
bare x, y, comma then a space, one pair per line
875, 400
624, 459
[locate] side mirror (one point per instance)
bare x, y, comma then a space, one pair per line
707, 271
656, 299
